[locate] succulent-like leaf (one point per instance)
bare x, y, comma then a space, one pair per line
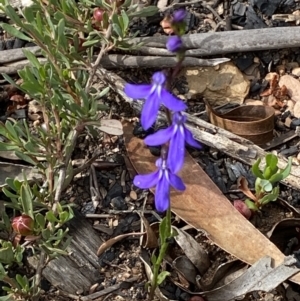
271, 161
270, 197
251, 205
256, 170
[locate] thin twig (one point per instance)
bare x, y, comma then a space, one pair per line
38, 275
103, 50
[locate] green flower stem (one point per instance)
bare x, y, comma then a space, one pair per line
162, 253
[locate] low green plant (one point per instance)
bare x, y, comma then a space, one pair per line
68, 33
266, 183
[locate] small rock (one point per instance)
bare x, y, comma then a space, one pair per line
253, 102
219, 87
119, 203
293, 86
296, 71
133, 195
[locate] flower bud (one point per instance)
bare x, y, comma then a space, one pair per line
174, 44
242, 208
23, 225
179, 15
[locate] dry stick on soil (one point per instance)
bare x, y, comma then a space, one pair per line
129, 61
216, 43
211, 135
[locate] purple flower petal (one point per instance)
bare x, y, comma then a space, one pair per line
137, 91
147, 181
176, 152
190, 139
149, 112
176, 182
162, 195
158, 78
161, 137
172, 102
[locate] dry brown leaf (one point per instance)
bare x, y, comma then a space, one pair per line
261, 276
109, 243
203, 206
150, 239
111, 127
195, 253
242, 185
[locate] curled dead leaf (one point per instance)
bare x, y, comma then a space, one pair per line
242, 185
109, 243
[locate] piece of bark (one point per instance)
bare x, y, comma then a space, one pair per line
125, 61
78, 271
212, 43
211, 135
14, 55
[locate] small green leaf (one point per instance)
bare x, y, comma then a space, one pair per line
162, 276
8, 147
271, 197
26, 199
15, 32
31, 58
267, 172
256, 170
40, 219
46, 233
266, 185
23, 281
25, 157
271, 161
153, 259
125, 20
251, 205
6, 253
90, 43
51, 217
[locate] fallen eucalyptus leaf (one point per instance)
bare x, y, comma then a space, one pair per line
186, 268
194, 252
260, 277
221, 274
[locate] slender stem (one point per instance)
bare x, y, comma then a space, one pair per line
162, 253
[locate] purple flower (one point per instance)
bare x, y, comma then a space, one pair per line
177, 134
174, 44
162, 178
155, 94
179, 15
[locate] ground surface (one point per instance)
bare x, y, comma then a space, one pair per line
116, 213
